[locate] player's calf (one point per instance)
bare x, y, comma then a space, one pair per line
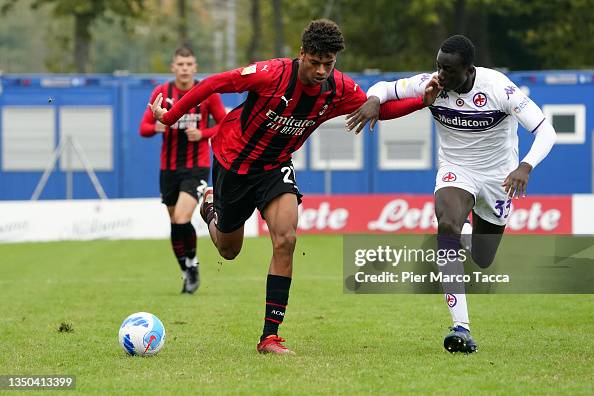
485, 248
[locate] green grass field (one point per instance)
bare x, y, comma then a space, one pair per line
346, 344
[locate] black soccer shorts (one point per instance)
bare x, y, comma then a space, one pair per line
236, 196
192, 181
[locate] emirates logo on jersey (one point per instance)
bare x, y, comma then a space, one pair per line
187, 121
287, 125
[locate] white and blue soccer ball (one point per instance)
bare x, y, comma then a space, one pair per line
142, 334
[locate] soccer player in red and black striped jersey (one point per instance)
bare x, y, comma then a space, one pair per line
185, 159
287, 100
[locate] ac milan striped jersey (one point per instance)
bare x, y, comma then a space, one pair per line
176, 151
278, 115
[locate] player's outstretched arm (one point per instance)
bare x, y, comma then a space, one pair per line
229, 81
373, 109
376, 95
369, 111
197, 95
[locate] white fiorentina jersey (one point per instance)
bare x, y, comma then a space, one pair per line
478, 129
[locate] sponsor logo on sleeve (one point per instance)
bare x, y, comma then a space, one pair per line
521, 106
509, 90
251, 69
424, 78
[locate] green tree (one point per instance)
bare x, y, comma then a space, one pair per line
86, 13
550, 34
389, 35
22, 44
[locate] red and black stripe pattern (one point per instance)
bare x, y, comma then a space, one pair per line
279, 114
276, 121
177, 151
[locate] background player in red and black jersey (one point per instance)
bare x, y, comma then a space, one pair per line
287, 100
185, 159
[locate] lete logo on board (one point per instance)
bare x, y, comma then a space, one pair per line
344, 214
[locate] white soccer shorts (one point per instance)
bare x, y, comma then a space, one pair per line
490, 200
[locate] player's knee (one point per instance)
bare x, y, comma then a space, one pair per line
285, 241
180, 218
229, 252
448, 226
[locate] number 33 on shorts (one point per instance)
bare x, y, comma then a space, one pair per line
502, 208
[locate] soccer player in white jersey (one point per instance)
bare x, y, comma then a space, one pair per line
477, 114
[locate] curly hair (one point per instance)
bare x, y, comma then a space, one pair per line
460, 45
322, 37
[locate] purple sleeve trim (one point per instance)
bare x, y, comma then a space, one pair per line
532, 131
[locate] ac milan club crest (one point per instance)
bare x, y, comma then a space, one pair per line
451, 300
449, 177
479, 99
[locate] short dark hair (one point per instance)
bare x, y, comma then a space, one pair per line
460, 45
183, 51
322, 37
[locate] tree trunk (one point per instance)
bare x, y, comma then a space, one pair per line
82, 41
253, 52
182, 24
279, 35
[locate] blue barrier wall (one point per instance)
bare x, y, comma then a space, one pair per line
568, 169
